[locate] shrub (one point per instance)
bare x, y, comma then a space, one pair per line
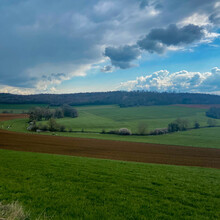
178, 125
173, 127
159, 131
124, 131
196, 125
113, 132
62, 128
142, 128
53, 125
183, 124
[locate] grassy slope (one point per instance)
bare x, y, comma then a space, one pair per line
95, 118
65, 187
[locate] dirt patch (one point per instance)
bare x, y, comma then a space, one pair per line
117, 150
6, 117
199, 106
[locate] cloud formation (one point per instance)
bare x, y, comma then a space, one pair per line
107, 69
172, 35
156, 41
42, 37
182, 81
122, 56
152, 46
215, 18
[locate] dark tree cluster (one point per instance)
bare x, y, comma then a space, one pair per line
69, 111
196, 125
213, 113
51, 125
42, 113
178, 125
122, 98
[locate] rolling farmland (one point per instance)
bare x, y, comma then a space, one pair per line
84, 186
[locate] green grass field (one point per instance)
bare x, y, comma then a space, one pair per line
63, 187
109, 117
96, 118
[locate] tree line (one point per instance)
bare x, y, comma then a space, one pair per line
180, 124
213, 112
122, 98
142, 129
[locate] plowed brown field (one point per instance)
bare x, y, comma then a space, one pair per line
5, 117
117, 150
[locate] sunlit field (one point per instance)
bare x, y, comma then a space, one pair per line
95, 119
63, 187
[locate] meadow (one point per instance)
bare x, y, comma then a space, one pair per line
67, 187
64, 187
111, 117
96, 118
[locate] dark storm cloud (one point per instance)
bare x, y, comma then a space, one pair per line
156, 41
172, 35
151, 46
122, 56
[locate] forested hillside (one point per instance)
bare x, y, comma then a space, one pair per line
122, 98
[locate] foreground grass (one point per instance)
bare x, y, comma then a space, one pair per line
13, 211
62, 187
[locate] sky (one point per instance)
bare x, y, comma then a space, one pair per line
53, 46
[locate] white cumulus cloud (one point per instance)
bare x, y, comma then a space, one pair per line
182, 81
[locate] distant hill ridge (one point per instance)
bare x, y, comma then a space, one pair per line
122, 98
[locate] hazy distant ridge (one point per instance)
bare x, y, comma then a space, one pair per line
121, 98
